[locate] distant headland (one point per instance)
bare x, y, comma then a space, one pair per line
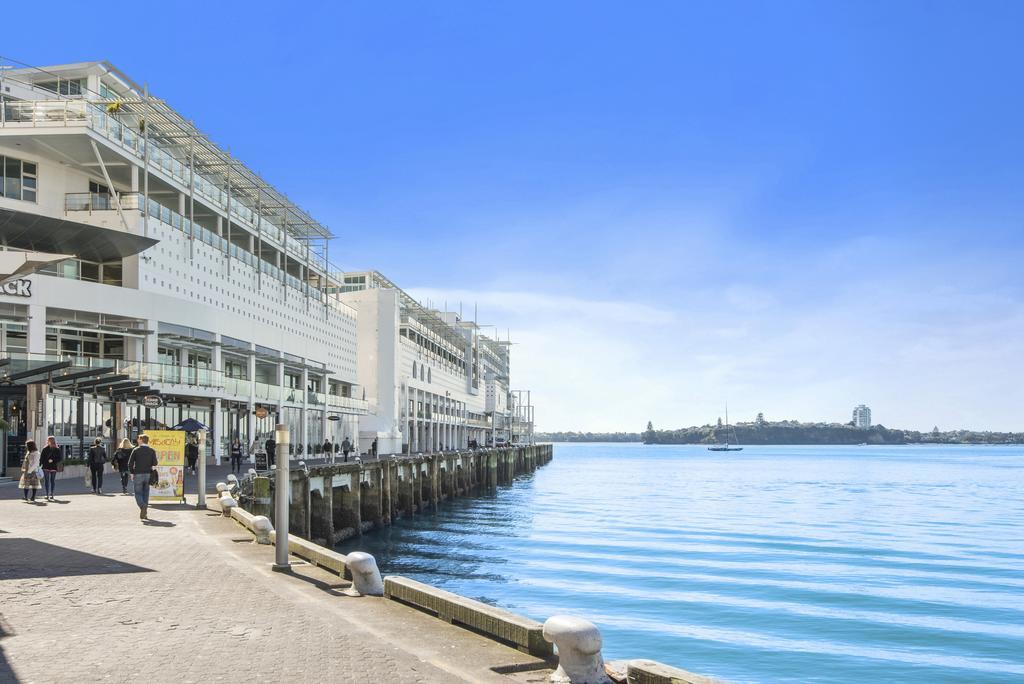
789, 432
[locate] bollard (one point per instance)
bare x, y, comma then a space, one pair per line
579, 650
226, 504
221, 486
262, 528
366, 579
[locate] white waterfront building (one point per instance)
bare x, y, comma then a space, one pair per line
433, 381
861, 416
190, 279
146, 276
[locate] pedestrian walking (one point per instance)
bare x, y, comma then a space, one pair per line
120, 463
192, 453
141, 464
30, 470
50, 459
346, 446
373, 448
97, 460
236, 455
271, 446
326, 449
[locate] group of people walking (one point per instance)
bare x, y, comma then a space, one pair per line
136, 463
40, 466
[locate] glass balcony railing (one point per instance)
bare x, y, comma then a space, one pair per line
267, 393
49, 113
347, 404
172, 374
238, 387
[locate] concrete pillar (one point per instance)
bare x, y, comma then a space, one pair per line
35, 398
262, 503
135, 178
36, 330
304, 424
218, 428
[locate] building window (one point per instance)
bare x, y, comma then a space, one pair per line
63, 86
19, 179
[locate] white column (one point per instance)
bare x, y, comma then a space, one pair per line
151, 343
218, 426
251, 419
135, 178
182, 371
36, 330
304, 424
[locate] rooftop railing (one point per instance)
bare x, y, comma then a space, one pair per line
64, 113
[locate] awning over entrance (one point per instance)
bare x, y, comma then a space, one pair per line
21, 230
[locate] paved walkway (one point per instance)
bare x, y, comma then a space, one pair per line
89, 593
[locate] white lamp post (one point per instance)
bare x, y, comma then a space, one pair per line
283, 495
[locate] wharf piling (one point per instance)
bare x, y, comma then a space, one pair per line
334, 502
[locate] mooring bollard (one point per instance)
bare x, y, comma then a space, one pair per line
221, 486
366, 580
227, 502
262, 528
579, 650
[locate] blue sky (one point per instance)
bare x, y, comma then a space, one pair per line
792, 206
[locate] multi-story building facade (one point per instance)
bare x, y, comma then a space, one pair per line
861, 416
432, 380
175, 281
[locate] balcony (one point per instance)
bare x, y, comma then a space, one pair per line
347, 404
79, 113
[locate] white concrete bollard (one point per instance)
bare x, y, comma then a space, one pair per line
262, 527
252, 471
221, 486
226, 504
579, 650
366, 580
232, 478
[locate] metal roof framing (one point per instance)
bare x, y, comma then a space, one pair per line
164, 125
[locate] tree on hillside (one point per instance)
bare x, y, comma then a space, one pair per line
648, 436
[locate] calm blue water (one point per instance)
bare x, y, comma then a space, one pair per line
810, 564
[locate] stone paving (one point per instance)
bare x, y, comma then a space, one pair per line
90, 593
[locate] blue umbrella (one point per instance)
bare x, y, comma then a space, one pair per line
191, 425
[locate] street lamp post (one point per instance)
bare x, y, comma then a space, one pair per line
282, 501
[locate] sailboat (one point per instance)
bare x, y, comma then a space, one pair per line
726, 447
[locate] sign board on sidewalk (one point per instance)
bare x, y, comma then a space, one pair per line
261, 460
170, 457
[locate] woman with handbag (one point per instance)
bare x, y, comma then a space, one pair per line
29, 481
50, 461
121, 463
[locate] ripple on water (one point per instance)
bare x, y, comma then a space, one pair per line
779, 564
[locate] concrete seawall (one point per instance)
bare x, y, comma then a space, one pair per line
334, 502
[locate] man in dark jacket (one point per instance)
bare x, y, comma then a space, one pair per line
97, 460
271, 447
140, 464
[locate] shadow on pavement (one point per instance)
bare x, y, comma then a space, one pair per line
6, 673
22, 558
158, 523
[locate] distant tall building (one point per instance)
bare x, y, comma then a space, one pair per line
861, 416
